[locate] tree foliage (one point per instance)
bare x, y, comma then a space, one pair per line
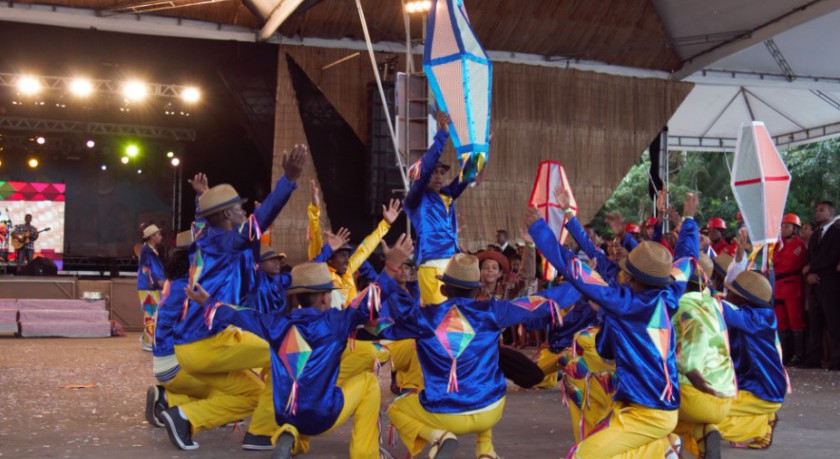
815, 169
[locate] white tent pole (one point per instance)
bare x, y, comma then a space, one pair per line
382, 95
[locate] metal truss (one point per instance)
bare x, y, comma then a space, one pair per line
154, 5
783, 64
724, 144
56, 83
124, 130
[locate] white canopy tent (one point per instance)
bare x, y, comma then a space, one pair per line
776, 61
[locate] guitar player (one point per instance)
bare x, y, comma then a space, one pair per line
29, 234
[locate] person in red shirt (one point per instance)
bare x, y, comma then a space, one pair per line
717, 228
788, 261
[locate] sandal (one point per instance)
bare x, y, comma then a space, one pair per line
444, 447
766, 441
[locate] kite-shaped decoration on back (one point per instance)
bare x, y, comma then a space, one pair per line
454, 333
460, 73
294, 352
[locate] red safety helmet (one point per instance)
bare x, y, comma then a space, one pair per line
716, 223
792, 219
632, 228
650, 222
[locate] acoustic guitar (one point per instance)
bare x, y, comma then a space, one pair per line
19, 240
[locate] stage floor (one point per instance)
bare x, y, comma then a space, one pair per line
40, 419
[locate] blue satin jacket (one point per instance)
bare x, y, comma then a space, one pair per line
169, 310
641, 338
228, 261
306, 347
149, 270
269, 293
436, 226
578, 317
752, 344
605, 267
458, 341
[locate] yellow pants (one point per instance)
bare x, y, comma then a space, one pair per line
584, 376
631, 431
185, 388
149, 300
360, 357
405, 363
417, 426
224, 362
698, 414
550, 366
430, 285
749, 419
361, 400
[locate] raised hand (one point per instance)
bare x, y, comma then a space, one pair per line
661, 198
197, 294
563, 197
531, 216
293, 162
338, 239
397, 253
690, 205
442, 120
523, 233
316, 198
391, 212
199, 183
743, 243
616, 222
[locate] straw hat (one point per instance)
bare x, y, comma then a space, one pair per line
311, 278
217, 199
462, 272
753, 287
267, 253
499, 257
184, 240
649, 263
706, 264
150, 231
722, 262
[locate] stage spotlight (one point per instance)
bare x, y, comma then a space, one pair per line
418, 6
40, 140
139, 171
90, 143
124, 160
132, 150
28, 85
103, 167
135, 91
81, 87
175, 162
170, 154
191, 94
33, 163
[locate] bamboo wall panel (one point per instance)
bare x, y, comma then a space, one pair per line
597, 125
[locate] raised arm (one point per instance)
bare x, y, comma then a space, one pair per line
588, 282
545, 304
313, 212
368, 245
293, 168
428, 162
606, 267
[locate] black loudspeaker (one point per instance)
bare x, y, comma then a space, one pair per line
39, 267
383, 170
